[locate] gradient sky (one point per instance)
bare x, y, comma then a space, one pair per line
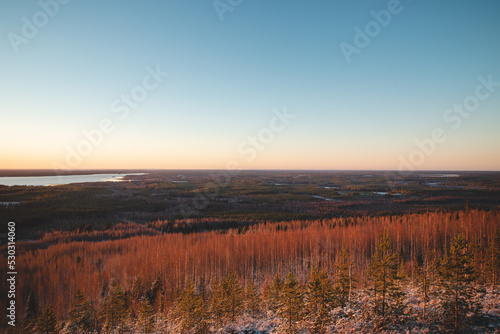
227, 77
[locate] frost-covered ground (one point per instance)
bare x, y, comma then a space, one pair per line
353, 319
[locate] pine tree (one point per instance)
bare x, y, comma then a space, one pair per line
137, 289
228, 299
188, 313
273, 292
202, 289
493, 258
385, 282
233, 295
253, 300
31, 313
457, 275
154, 291
344, 282
47, 321
426, 280
136, 293
146, 317
291, 304
216, 308
319, 301
114, 308
81, 314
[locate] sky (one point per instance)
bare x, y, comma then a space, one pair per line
203, 84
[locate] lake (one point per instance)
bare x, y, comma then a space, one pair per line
63, 179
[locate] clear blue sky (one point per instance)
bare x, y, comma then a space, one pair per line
227, 76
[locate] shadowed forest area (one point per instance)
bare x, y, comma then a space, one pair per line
241, 197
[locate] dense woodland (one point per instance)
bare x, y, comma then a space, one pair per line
250, 196
421, 272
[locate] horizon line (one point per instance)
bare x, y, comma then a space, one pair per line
249, 169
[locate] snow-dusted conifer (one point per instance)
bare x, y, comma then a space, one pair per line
457, 275
385, 282
290, 309
319, 301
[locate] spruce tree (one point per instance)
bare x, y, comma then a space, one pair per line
154, 291
137, 292
344, 281
47, 321
319, 301
202, 290
253, 300
114, 308
493, 258
273, 292
385, 282
31, 313
137, 289
426, 281
228, 299
291, 304
188, 313
457, 290
216, 308
146, 316
233, 297
81, 314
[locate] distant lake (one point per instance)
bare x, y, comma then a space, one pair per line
63, 179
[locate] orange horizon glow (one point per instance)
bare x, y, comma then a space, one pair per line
23, 163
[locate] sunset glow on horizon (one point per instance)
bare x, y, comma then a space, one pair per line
384, 85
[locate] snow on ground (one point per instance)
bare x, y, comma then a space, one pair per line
355, 318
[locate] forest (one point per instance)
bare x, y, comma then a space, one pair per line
429, 272
245, 198
274, 252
